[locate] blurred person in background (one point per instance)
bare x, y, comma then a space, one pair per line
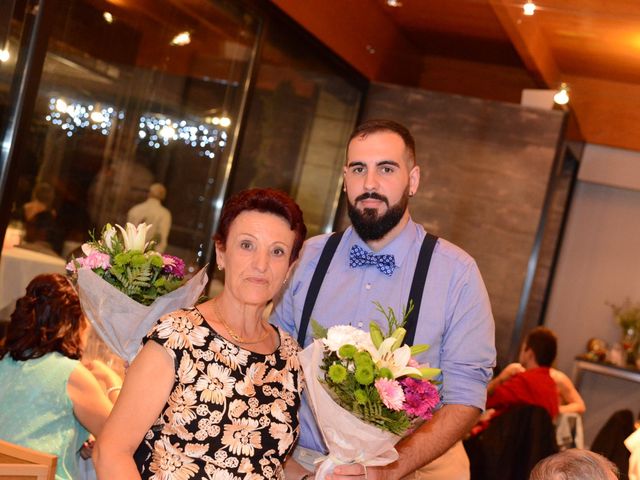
575, 464
49, 401
153, 213
42, 198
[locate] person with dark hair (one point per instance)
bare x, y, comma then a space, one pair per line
384, 257
575, 464
42, 235
48, 399
215, 390
531, 383
42, 198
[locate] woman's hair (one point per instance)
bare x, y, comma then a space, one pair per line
265, 200
574, 464
47, 319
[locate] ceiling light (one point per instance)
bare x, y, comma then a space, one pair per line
529, 8
4, 55
562, 96
394, 3
107, 17
181, 39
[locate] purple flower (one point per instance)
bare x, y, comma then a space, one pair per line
173, 265
421, 397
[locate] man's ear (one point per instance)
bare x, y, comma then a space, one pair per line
414, 180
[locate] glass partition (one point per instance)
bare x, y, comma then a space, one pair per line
301, 113
137, 92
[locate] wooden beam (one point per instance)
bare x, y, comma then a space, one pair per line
527, 39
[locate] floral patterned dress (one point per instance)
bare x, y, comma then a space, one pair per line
232, 413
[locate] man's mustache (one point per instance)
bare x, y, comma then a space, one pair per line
373, 195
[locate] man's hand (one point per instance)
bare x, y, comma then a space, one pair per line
355, 471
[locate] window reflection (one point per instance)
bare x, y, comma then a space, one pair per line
135, 93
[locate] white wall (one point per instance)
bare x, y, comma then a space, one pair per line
599, 262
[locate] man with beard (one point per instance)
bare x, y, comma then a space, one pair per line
386, 257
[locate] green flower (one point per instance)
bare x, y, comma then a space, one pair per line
138, 259
364, 374
384, 372
347, 351
361, 396
337, 373
362, 359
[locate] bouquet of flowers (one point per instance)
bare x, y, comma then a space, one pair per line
125, 286
367, 390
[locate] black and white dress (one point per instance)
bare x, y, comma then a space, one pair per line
232, 413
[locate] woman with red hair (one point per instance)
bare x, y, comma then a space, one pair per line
49, 401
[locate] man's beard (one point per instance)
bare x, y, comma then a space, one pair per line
371, 226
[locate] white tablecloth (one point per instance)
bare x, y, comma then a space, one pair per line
18, 266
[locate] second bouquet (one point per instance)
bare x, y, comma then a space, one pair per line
125, 286
366, 390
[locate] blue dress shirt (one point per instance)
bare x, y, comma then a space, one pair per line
455, 315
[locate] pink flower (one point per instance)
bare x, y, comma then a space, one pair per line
390, 393
71, 266
173, 265
95, 260
421, 397
413, 363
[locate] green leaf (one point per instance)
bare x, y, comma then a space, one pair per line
318, 331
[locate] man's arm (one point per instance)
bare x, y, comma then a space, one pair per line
430, 441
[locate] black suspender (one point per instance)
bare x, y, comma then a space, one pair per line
415, 293
316, 282
417, 285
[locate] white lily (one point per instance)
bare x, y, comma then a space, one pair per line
396, 361
135, 237
87, 249
108, 236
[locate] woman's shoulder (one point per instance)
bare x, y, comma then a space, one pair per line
180, 328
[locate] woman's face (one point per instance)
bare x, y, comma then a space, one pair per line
256, 256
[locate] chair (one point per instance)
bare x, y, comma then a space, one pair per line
512, 444
609, 441
20, 463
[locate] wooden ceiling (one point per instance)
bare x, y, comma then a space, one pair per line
490, 49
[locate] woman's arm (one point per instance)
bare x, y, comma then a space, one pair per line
571, 401
90, 404
145, 391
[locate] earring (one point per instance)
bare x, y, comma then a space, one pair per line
220, 268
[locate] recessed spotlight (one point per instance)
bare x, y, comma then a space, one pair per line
181, 39
529, 8
4, 55
562, 96
108, 17
394, 3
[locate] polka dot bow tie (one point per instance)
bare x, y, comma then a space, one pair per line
359, 257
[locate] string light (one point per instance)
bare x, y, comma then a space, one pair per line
529, 8
158, 130
74, 116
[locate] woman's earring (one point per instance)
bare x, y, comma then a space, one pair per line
220, 268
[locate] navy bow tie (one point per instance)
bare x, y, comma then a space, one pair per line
359, 257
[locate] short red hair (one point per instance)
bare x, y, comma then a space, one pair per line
267, 200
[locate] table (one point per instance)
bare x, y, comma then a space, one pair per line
582, 365
18, 266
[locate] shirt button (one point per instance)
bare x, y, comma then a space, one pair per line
367, 286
